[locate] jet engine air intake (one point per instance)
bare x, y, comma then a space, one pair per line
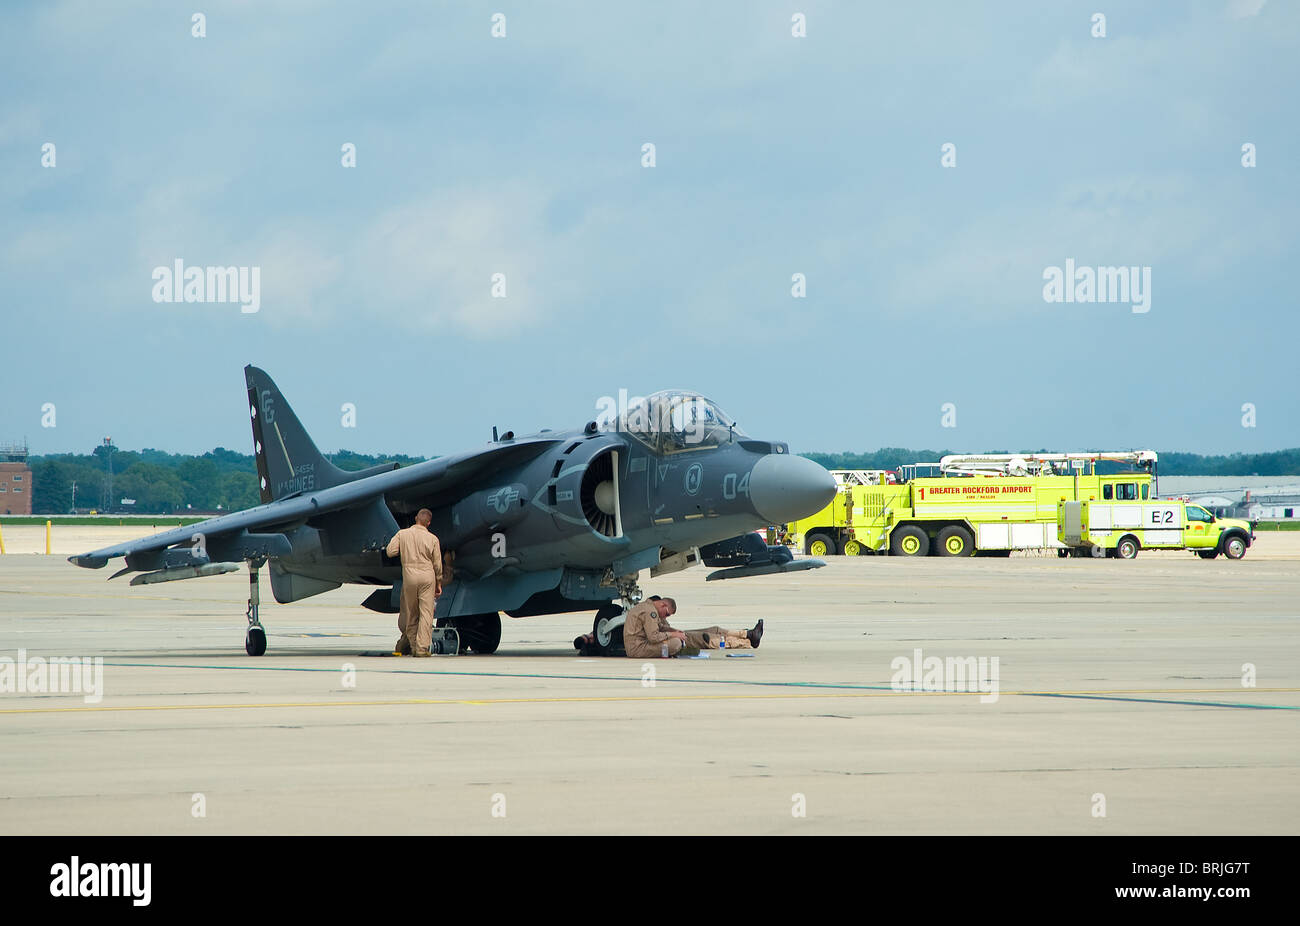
599, 495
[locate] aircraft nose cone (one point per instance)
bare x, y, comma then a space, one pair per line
786, 488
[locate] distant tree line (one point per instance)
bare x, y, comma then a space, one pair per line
884, 458
1171, 463
221, 479
1276, 463
161, 482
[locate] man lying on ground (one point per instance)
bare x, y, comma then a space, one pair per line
648, 635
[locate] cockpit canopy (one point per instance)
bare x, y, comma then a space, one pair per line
674, 422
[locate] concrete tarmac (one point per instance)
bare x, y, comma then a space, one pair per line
1119, 688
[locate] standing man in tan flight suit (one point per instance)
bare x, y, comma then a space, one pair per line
421, 556
648, 635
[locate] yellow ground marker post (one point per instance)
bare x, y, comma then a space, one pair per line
47, 538
2, 541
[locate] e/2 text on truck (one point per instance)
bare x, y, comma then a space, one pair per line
1121, 529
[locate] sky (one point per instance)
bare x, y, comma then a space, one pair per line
922, 320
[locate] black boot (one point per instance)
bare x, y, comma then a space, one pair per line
756, 634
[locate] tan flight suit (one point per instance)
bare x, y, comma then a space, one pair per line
421, 557
645, 634
736, 639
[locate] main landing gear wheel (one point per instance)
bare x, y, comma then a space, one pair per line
607, 638
478, 632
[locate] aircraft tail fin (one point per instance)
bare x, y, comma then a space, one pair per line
287, 459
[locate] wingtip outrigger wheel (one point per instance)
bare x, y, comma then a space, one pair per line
255, 638
255, 641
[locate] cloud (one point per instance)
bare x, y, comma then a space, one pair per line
20, 125
992, 264
1244, 9
297, 279
428, 265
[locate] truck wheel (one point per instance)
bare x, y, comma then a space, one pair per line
955, 540
1207, 554
909, 540
852, 548
820, 545
1127, 548
1234, 547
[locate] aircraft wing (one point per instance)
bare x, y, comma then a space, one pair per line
258, 532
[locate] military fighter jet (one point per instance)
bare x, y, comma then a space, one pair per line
545, 523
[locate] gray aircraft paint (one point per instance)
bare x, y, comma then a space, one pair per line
319, 527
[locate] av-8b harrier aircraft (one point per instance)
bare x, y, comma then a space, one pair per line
545, 523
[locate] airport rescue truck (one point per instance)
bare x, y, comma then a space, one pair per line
989, 503
1121, 529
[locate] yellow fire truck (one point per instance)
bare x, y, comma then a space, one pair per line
969, 503
1121, 529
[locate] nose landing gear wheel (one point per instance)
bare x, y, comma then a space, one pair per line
609, 639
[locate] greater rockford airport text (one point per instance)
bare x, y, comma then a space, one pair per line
103, 879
